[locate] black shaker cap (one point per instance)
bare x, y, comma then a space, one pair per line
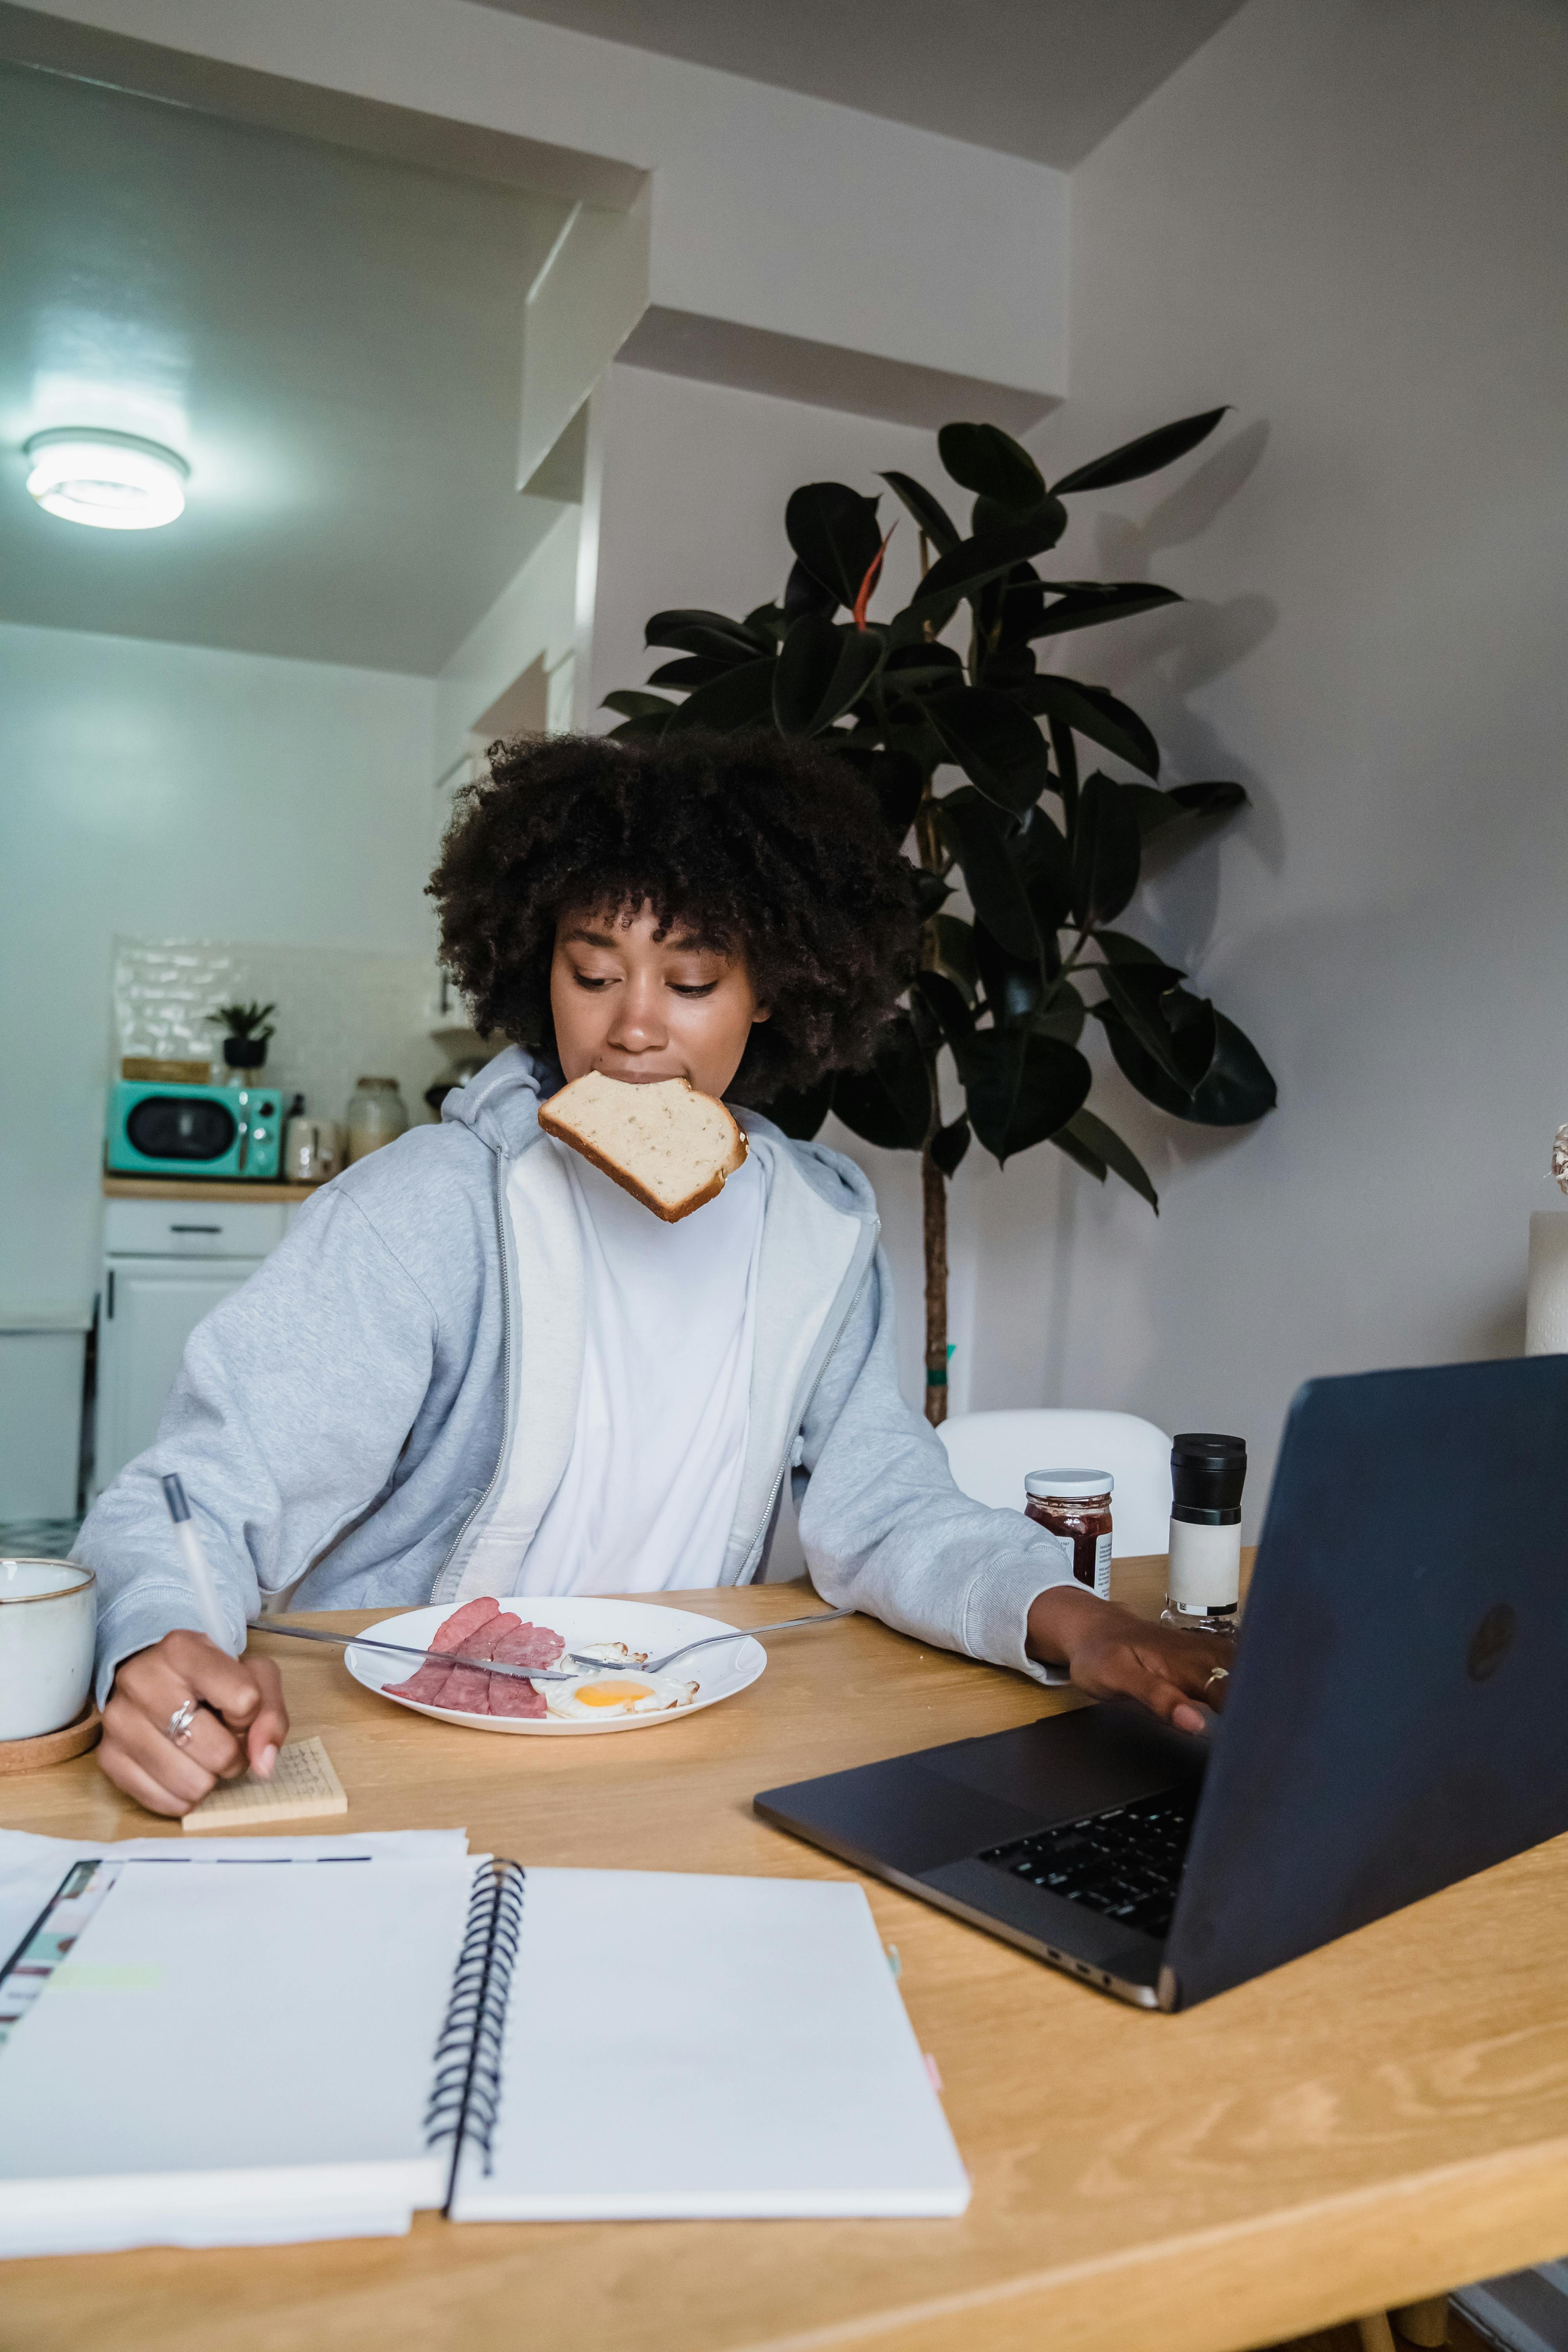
1208, 1470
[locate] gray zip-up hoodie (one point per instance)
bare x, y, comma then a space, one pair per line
386, 1409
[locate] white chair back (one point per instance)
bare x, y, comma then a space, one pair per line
990, 1454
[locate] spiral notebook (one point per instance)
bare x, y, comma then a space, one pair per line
403, 2031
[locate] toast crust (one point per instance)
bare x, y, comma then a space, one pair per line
669, 1213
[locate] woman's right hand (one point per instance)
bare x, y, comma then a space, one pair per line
242, 1721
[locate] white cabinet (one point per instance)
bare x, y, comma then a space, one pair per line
150, 1307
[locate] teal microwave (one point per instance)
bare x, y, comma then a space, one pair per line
207, 1131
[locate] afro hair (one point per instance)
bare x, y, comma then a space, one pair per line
764, 845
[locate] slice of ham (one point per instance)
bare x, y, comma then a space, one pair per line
468, 1688
455, 1632
531, 1645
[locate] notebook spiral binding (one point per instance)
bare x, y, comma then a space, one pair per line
465, 2098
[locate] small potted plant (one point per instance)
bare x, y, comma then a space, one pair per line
247, 1029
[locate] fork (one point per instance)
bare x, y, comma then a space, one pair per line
709, 1642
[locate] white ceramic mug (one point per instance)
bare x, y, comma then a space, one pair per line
310, 1151
49, 1621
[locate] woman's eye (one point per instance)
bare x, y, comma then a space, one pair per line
693, 988
592, 979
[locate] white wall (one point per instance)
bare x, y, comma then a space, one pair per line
1348, 221
170, 790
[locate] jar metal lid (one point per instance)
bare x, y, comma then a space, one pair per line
1067, 1485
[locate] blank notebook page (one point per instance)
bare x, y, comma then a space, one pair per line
688, 2046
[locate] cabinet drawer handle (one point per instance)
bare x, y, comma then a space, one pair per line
109, 1317
195, 1228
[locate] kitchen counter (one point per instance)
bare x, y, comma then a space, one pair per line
192, 1188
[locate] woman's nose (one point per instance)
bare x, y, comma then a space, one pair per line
638, 1026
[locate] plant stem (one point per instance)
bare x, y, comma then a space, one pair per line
933, 1186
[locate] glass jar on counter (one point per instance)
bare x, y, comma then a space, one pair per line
1076, 1504
377, 1114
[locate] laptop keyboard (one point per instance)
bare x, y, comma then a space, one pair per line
1126, 1864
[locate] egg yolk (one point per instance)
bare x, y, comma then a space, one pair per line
615, 1694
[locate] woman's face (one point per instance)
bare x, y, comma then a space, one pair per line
642, 1008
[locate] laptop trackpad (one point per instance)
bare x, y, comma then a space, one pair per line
1065, 1766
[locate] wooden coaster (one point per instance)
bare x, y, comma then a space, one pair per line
53, 1746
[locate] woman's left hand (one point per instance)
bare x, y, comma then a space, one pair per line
1110, 1654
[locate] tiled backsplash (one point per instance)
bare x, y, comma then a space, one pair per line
341, 1014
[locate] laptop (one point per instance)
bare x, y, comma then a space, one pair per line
1396, 1718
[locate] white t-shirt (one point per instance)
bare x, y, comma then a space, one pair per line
648, 1494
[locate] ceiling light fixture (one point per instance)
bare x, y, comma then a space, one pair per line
112, 480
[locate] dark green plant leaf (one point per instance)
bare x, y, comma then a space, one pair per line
1171, 1024
977, 836
890, 1103
931, 518
1144, 456
899, 781
1239, 1087
835, 533
975, 561
931, 893
691, 630
947, 947
1090, 711
1113, 1153
645, 730
998, 747
633, 703
1181, 803
949, 1145
922, 669
1117, 947
921, 622
1062, 1012
691, 669
1020, 1088
741, 698
1013, 985
1078, 1152
1106, 851
766, 621
1040, 855
799, 1111
989, 461
944, 1007
820, 671
1139, 1067
1086, 606
803, 593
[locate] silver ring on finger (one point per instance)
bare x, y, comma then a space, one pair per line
182, 1722
1217, 1674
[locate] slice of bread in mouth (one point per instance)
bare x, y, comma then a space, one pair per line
668, 1146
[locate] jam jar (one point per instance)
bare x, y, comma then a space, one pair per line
1076, 1504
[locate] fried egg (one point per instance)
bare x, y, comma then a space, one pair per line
602, 1699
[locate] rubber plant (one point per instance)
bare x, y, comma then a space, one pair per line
983, 754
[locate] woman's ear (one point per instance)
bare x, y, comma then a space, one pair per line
762, 1013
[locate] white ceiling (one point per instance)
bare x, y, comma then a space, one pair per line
331, 340
1046, 78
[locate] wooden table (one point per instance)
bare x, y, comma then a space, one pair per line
1378, 2122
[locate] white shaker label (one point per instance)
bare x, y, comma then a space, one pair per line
1102, 1567
1205, 1567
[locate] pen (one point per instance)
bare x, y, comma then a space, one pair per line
195, 1561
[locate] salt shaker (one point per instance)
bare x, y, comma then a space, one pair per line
1203, 1579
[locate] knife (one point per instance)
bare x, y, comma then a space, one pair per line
425, 1658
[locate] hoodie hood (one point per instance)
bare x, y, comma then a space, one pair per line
500, 1102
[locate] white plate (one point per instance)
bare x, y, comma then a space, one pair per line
579, 1619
